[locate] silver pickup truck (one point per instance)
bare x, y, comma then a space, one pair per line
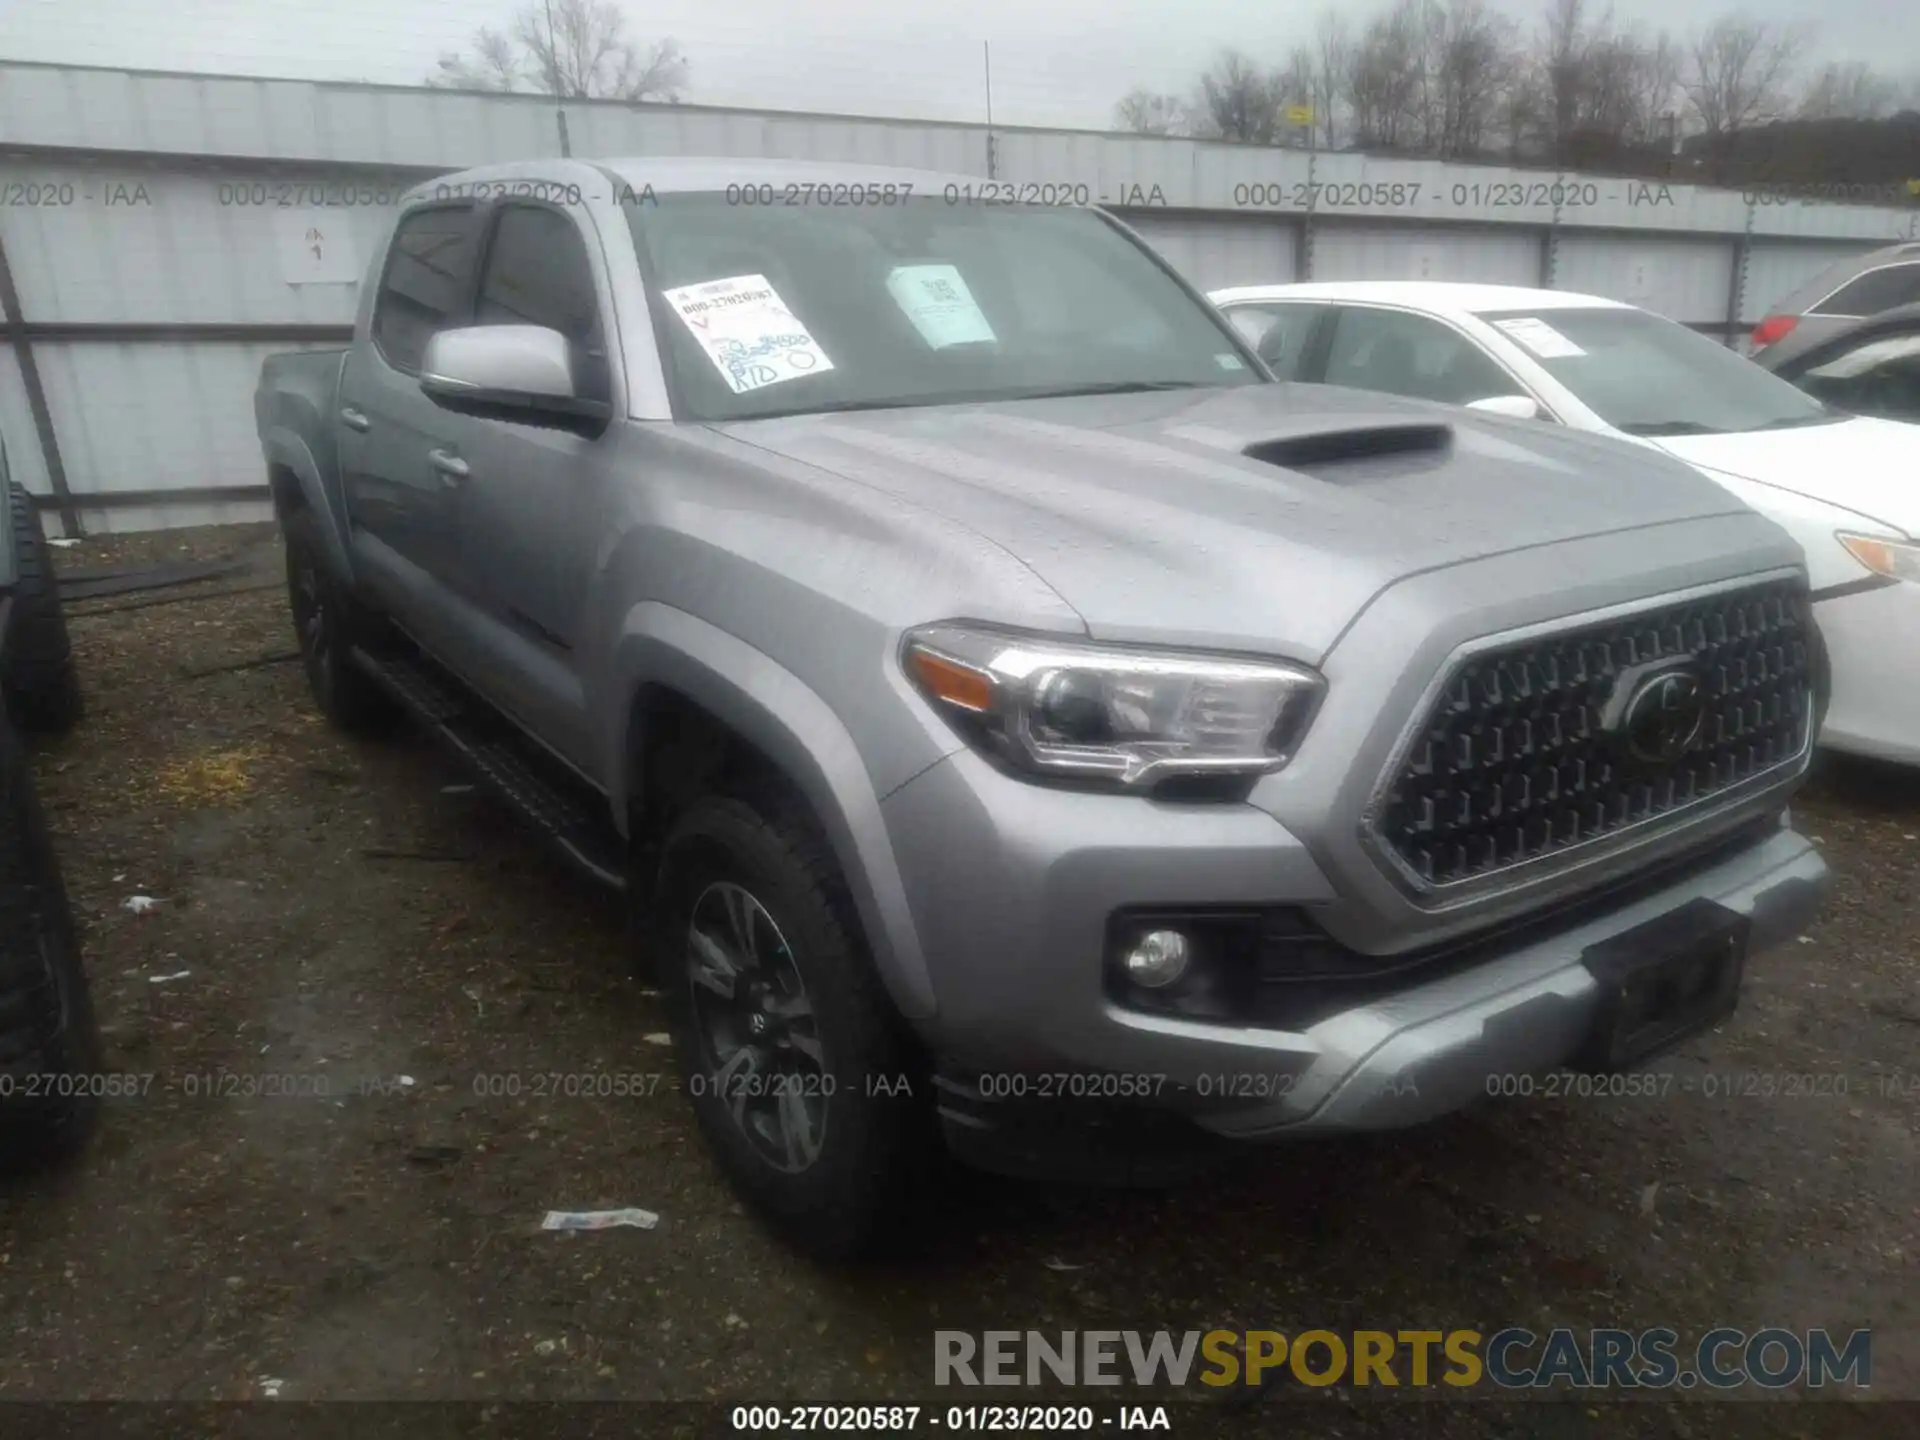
1017, 720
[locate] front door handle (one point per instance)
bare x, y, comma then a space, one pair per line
354, 420
451, 467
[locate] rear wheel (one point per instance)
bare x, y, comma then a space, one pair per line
804, 1082
327, 624
42, 683
49, 1041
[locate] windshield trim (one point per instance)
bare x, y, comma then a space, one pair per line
659, 317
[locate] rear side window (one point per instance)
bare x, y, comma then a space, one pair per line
1278, 333
1403, 354
537, 273
420, 289
1877, 290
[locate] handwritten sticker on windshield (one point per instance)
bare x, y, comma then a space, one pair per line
748, 332
936, 299
1539, 337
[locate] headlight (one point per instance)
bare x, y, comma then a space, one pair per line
1133, 716
1895, 559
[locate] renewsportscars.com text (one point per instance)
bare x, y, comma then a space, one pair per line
1513, 1358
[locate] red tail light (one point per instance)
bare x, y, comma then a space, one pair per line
1773, 328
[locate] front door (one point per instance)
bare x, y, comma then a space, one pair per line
534, 497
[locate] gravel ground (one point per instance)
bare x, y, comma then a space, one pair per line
332, 912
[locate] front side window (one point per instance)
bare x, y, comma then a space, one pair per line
1876, 290
1875, 376
1402, 354
1278, 333
420, 288
1645, 375
773, 309
537, 273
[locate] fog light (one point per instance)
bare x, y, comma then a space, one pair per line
1157, 959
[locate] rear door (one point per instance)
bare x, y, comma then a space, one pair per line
402, 499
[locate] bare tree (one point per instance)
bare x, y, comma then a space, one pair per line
1849, 91
1468, 59
573, 48
1737, 74
1146, 112
1564, 69
1332, 58
1654, 83
1385, 78
1238, 101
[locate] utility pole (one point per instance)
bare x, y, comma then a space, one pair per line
553, 79
986, 58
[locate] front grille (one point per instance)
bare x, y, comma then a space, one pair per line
1522, 755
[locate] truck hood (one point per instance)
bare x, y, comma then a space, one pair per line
1146, 514
1864, 465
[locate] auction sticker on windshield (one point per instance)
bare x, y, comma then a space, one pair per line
936, 299
748, 332
1539, 337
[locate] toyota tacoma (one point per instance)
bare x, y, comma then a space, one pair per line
1017, 720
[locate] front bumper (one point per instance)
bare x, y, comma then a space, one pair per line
1012, 886
1873, 637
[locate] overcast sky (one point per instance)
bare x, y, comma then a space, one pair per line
1064, 62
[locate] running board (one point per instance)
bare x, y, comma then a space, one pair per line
560, 809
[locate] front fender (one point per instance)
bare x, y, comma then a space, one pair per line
288, 449
778, 713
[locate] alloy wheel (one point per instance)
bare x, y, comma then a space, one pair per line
754, 1023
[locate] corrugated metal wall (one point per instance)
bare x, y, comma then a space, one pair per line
164, 232
1214, 251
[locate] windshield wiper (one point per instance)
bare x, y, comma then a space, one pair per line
971, 397
1110, 387
1672, 427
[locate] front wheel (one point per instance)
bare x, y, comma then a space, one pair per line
804, 1083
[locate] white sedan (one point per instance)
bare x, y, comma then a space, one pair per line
1846, 487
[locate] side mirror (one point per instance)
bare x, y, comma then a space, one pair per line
520, 373
1520, 407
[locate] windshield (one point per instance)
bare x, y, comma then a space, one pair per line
1649, 376
782, 309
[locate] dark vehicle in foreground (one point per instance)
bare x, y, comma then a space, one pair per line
49, 1042
1870, 367
1014, 718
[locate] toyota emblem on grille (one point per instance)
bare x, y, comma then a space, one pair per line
1663, 715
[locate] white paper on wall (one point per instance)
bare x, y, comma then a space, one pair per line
316, 247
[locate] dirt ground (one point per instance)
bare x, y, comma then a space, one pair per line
334, 913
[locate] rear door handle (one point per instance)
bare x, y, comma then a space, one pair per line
354, 420
451, 467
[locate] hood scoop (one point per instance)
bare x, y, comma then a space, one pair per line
1317, 450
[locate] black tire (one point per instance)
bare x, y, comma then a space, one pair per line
50, 1051
42, 683
328, 623
877, 1146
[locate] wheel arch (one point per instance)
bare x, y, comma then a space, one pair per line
293, 477
671, 666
